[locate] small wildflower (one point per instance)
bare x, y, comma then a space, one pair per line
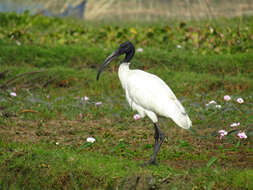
139, 50
57, 143
48, 96
85, 98
240, 100
90, 139
222, 133
13, 94
137, 116
242, 135
179, 46
218, 106
81, 115
235, 124
227, 98
18, 43
211, 102
98, 103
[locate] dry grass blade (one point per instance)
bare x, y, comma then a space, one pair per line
5, 85
31, 111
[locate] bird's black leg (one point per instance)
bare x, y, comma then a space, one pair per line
159, 138
156, 136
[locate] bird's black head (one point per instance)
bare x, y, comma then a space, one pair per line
128, 49
124, 48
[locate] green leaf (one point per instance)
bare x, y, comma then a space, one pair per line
237, 144
85, 145
210, 185
211, 161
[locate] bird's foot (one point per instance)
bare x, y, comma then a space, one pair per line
150, 162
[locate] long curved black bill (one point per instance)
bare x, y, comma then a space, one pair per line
106, 62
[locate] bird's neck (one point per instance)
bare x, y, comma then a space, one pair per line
123, 69
123, 73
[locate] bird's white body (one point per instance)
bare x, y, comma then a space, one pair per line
150, 96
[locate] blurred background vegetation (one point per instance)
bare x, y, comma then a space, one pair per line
132, 9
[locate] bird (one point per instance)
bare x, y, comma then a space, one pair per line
147, 94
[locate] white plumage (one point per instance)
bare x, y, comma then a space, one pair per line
148, 95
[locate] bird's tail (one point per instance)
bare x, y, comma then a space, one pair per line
183, 120
180, 116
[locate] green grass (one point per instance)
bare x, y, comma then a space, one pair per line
58, 167
43, 138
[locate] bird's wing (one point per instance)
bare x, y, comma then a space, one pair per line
152, 93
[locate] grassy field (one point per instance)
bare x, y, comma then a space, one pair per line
51, 65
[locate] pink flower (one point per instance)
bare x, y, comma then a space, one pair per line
235, 124
222, 133
48, 96
137, 116
81, 115
242, 135
227, 98
240, 100
98, 103
13, 94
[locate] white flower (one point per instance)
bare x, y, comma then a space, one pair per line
240, 100
222, 133
179, 46
242, 135
139, 50
18, 43
90, 140
211, 102
13, 94
235, 124
218, 106
98, 103
227, 98
85, 98
137, 116
57, 143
